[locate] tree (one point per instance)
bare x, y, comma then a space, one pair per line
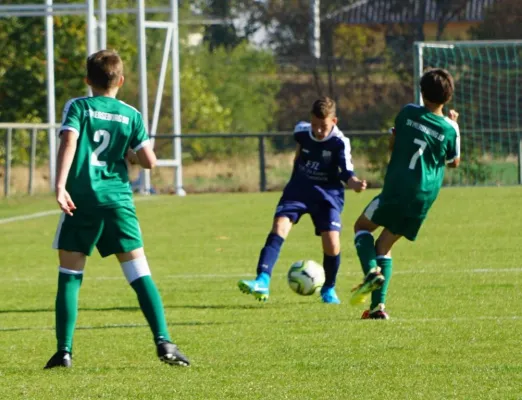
503, 21
225, 33
447, 10
245, 81
210, 102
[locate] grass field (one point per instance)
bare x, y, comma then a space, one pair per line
454, 301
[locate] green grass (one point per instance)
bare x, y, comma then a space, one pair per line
454, 301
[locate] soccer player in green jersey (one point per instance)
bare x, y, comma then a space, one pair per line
97, 135
424, 141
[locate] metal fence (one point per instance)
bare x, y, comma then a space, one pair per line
222, 162
25, 148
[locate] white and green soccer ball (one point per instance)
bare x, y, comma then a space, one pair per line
306, 277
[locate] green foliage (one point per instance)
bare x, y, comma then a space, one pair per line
227, 91
359, 43
245, 81
473, 170
23, 93
202, 113
376, 150
211, 101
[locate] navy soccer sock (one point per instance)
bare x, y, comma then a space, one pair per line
331, 268
269, 254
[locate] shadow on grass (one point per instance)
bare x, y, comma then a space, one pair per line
118, 326
253, 306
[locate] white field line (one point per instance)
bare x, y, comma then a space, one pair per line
29, 216
354, 320
250, 274
25, 217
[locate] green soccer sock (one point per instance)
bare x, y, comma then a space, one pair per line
379, 296
365, 246
69, 283
152, 307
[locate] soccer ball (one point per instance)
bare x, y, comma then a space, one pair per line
306, 277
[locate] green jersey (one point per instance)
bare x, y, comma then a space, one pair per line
106, 129
424, 142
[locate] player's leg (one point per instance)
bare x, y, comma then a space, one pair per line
364, 240
136, 269
287, 213
403, 225
75, 238
331, 263
270, 252
383, 248
365, 246
122, 236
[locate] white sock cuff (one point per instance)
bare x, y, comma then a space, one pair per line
135, 269
360, 233
383, 258
69, 271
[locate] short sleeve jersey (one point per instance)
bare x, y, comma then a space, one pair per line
106, 128
321, 167
424, 142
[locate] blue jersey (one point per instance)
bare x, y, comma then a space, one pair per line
320, 167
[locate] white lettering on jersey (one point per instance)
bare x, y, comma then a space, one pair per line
425, 129
107, 116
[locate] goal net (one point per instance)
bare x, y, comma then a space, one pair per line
488, 96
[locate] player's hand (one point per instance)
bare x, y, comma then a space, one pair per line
132, 157
64, 201
356, 184
453, 115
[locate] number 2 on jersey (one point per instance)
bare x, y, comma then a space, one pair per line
105, 138
422, 146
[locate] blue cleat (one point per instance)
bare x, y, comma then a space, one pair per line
260, 288
329, 296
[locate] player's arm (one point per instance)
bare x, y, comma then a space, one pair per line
69, 134
346, 172
144, 156
66, 151
455, 161
141, 147
453, 164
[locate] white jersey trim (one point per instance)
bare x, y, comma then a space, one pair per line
141, 145
307, 127
347, 153
66, 109
457, 139
128, 105
335, 132
69, 128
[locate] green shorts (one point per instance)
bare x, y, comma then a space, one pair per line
111, 230
394, 218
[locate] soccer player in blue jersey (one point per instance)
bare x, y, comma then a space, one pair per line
322, 166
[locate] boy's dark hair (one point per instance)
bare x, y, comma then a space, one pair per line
324, 107
437, 86
104, 69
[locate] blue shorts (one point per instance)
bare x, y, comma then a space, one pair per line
324, 216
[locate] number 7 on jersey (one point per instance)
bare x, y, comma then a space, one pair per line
422, 146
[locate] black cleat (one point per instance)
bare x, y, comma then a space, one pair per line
169, 353
60, 359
